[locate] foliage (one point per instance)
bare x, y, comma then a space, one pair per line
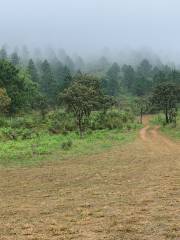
82, 97
165, 97
48, 83
113, 79
67, 145
61, 122
5, 101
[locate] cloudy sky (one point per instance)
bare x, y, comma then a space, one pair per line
88, 25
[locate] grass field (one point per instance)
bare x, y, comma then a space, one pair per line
42, 148
170, 130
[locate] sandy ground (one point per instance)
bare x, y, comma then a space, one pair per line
130, 192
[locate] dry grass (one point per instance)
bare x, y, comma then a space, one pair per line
130, 192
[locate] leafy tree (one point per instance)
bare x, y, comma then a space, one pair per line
33, 71
4, 100
113, 79
82, 97
18, 85
165, 97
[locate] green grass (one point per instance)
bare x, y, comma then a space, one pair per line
170, 130
47, 147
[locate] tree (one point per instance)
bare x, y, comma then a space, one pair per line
33, 71
25, 55
82, 97
145, 68
29, 89
128, 76
58, 72
3, 54
15, 59
113, 79
165, 97
79, 64
69, 63
41, 103
4, 100
18, 85
67, 78
48, 83
141, 105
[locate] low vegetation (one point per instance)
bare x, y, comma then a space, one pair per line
29, 139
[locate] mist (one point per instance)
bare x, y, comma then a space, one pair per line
93, 27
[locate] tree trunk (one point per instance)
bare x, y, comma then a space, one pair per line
80, 127
141, 117
166, 114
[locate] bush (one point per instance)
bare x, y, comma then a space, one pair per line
61, 122
113, 119
66, 145
9, 133
14, 134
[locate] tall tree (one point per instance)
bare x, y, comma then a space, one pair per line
32, 70
69, 63
18, 85
48, 83
3, 54
67, 78
15, 59
113, 79
128, 76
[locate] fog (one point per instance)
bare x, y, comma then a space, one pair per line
87, 27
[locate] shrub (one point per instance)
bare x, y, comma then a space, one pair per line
112, 119
19, 133
61, 122
66, 145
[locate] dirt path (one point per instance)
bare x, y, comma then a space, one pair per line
132, 192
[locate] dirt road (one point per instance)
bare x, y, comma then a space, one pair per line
130, 192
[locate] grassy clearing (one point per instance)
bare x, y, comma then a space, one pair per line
44, 147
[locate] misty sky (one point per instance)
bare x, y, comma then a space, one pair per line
88, 25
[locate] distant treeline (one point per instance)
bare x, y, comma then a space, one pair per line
35, 83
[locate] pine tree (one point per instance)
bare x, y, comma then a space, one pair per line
70, 64
15, 60
67, 78
48, 83
113, 79
3, 54
33, 71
